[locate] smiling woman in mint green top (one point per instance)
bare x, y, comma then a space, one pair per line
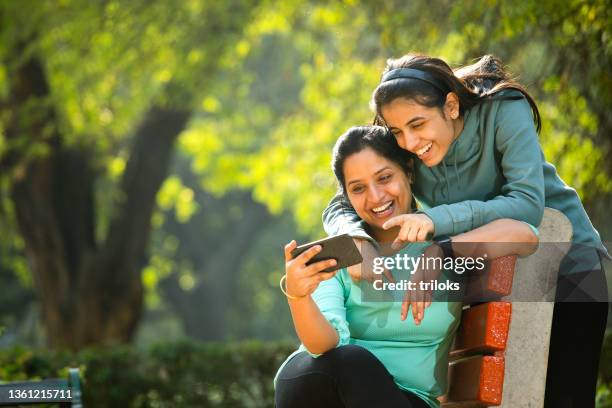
415, 355
331, 314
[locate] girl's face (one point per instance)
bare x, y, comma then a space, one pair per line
426, 132
377, 188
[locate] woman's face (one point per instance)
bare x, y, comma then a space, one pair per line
426, 132
377, 188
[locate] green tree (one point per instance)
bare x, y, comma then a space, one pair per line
92, 91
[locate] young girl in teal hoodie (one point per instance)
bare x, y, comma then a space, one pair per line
474, 133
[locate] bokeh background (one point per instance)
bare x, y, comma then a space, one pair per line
155, 156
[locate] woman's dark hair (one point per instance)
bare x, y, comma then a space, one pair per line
473, 84
377, 138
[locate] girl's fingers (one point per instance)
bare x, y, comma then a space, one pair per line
412, 234
396, 244
418, 311
402, 236
404, 231
396, 221
422, 235
405, 305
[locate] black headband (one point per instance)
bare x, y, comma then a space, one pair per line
411, 73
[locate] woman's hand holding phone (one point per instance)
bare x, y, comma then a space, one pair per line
304, 279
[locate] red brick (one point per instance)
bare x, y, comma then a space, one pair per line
476, 380
501, 273
493, 282
484, 329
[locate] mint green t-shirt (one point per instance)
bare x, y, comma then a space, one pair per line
416, 356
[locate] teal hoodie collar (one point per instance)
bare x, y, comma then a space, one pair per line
457, 153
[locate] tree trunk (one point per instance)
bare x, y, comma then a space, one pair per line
203, 309
90, 293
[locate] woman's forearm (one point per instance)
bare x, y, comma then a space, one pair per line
312, 328
497, 238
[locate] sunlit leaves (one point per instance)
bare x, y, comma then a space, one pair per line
174, 195
568, 136
281, 151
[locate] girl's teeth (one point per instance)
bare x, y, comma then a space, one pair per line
425, 149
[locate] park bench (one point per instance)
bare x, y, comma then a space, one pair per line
500, 354
66, 392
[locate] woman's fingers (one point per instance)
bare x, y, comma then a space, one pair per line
307, 255
317, 267
288, 248
326, 275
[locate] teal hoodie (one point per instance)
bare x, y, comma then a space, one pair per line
494, 169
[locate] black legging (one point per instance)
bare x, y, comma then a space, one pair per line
576, 336
347, 376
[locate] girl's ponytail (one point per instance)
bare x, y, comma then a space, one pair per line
487, 76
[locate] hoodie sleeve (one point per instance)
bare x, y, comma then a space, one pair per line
340, 218
521, 159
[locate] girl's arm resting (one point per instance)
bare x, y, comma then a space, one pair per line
497, 238
522, 197
320, 319
340, 218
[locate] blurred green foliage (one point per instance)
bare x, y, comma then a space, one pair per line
183, 373
604, 386
337, 51
179, 374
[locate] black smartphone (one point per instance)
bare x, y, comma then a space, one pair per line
342, 248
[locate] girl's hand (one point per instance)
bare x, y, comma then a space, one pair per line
413, 228
303, 279
419, 299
